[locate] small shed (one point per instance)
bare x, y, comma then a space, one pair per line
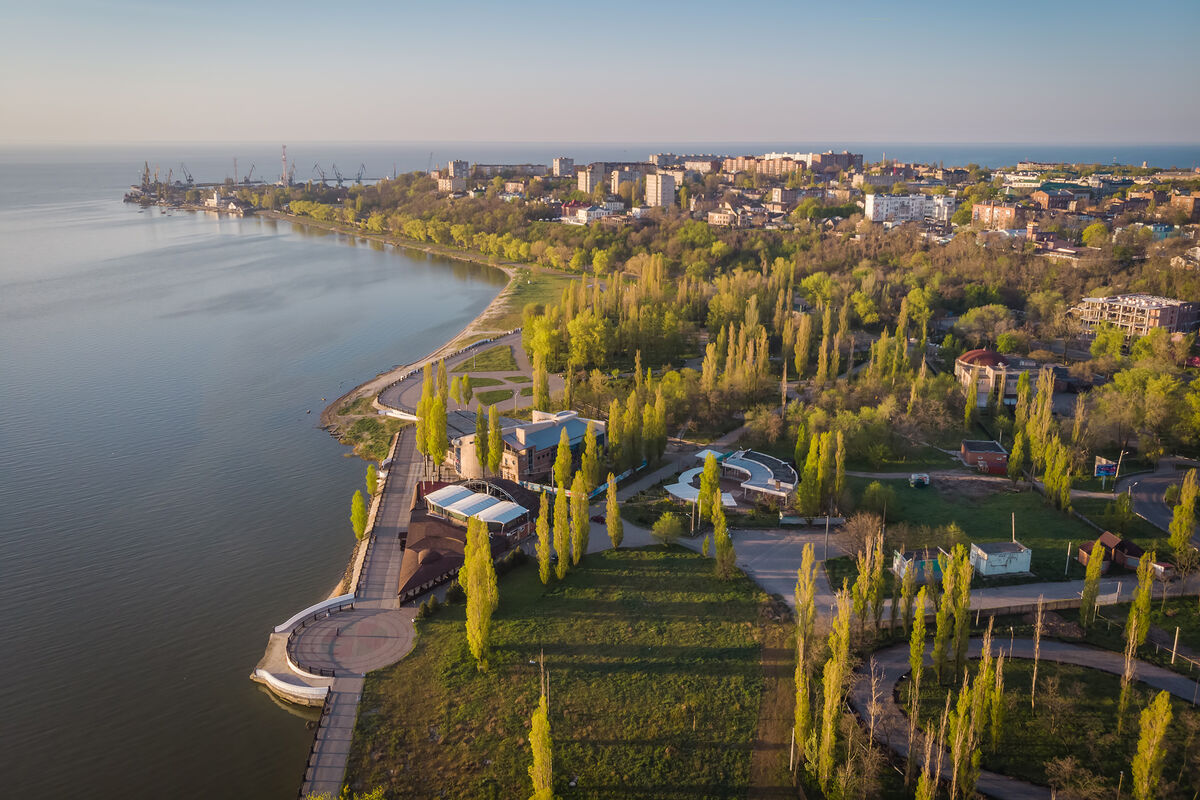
1000, 558
1085, 554
987, 455
925, 562
1121, 552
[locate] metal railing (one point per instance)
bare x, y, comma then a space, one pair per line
312, 748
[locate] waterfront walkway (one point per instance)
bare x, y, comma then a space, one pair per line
891, 722
346, 644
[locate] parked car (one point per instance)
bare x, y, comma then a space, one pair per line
598, 518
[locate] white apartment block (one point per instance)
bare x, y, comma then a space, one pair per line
563, 167
620, 176
910, 207
660, 190
588, 179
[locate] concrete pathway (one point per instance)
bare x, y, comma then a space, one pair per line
376, 633
405, 395
891, 722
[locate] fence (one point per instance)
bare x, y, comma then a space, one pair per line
312, 748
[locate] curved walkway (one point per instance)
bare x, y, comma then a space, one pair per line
376, 633
891, 723
405, 394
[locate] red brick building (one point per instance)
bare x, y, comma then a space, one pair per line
997, 216
988, 456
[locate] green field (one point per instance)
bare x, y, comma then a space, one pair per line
535, 286
493, 396
1073, 700
984, 512
656, 680
494, 359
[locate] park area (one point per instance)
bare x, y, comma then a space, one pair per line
657, 679
1047, 745
965, 508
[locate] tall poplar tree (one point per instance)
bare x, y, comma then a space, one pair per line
562, 532
543, 540
710, 487
541, 383
805, 656
541, 771
481, 440
580, 525
916, 663
562, 459
612, 519
358, 514
1091, 585
1151, 751
725, 556
1183, 522
803, 348
495, 441
590, 461
483, 594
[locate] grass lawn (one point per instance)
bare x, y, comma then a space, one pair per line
1076, 717
984, 514
496, 359
493, 396
518, 379
527, 391
656, 680
1139, 530
922, 459
479, 383
531, 285
372, 436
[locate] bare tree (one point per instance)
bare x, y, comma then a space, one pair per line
1037, 652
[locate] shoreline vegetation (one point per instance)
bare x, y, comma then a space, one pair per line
497, 317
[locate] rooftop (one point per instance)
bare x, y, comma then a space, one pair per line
983, 358
982, 446
1136, 301
991, 548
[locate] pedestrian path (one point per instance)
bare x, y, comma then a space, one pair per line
890, 722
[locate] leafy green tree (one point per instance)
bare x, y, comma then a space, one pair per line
916, 662
481, 440
358, 514
878, 497
839, 467
590, 461
456, 390
541, 383
1183, 523
808, 493
806, 590
942, 623
612, 519
710, 487
495, 441
465, 389
1091, 585
1019, 455
562, 459
726, 558
971, 407
1095, 235
1147, 765
372, 479
543, 540
541, 771
833, 682
667, 529
483, 593
437, 442
580, 525
1109, 341
1137, 624
562, 532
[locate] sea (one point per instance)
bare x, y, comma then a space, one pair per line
166, 494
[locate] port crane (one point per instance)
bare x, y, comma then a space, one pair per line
337, 175
249, 175
187, 176
317, 169
362, 168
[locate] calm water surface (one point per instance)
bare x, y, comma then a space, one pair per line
165, 496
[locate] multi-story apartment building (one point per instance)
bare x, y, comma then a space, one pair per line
563, 167
452, 184
830, 161
460, 169
660, 190
910, 207
997, 216
1138, 314
589, 178
620, 176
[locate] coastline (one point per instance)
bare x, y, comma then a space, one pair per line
330, 419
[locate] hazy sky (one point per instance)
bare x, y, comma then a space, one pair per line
963, 71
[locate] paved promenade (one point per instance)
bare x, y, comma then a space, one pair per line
375, 634
891, 722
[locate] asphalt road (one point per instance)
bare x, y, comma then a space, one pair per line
1147, 491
